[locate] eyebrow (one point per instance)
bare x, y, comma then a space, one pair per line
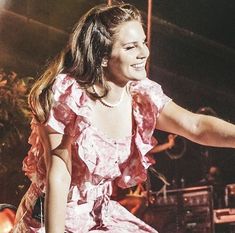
134, 42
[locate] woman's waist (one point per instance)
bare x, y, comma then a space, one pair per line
79, 193
88, 192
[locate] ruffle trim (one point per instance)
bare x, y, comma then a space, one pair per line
70, 115
34, 165
148, 102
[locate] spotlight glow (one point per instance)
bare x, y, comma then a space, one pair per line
3, 3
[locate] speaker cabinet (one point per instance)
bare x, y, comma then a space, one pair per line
188, 210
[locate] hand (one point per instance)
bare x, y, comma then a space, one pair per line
171, 140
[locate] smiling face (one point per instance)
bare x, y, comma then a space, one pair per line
129, 54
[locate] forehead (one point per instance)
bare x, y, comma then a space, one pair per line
129, 32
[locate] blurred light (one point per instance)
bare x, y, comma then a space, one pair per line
3, 3
7, 217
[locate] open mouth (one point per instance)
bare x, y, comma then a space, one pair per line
139, 65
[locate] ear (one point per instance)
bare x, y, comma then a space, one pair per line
104, 62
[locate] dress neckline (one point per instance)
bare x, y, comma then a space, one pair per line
101, 133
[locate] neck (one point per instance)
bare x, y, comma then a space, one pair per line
115, 95
115, 92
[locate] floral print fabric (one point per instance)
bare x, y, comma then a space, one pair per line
99, 162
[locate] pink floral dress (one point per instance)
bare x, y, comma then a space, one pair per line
99, 162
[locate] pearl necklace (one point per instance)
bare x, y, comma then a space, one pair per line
107, 104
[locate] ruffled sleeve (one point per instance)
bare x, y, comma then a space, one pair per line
67, 100
65, 117
148, 102
147, 90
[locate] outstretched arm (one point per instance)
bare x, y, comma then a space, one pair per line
202, 129
58, 161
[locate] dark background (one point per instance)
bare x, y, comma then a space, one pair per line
192, 57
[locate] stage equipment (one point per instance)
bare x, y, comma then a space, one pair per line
188, 210
224, 216
224, 220
175, 153
230, 195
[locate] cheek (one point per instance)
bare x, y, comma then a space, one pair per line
120, 63
126, 62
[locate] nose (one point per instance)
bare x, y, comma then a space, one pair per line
143, 52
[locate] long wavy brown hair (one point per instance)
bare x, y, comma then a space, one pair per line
89, 43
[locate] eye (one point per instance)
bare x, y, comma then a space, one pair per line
129, 47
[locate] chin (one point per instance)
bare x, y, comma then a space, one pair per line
137, 78
140, 76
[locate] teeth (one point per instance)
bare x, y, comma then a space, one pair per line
141, 65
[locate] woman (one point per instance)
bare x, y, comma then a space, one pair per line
94, 115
